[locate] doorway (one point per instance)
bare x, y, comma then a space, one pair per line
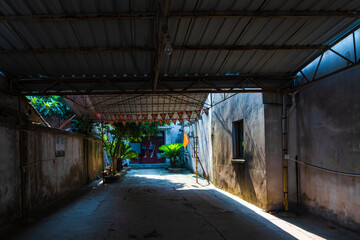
150, 149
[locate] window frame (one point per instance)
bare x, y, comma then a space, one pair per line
238, 139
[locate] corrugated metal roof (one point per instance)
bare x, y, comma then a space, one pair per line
136, 105
96, 52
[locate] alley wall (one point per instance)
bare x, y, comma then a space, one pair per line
324, 130
203, 134
249, 179
54, 163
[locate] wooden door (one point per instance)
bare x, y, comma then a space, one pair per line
150, 149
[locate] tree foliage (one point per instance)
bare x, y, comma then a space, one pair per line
83, 124
115, 136
51, 106
118, 150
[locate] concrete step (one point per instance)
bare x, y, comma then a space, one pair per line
148, 165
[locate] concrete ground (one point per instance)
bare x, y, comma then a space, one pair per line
153, 204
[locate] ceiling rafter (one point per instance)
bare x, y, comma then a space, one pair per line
324, 50
160, 36
147, 79
266, 14
51, 86
150, 92
211, 84
203, 14
197, 102
150, 49
114, 85
192, 84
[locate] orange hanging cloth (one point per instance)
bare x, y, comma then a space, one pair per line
186, 139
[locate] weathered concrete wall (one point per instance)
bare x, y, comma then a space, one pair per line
9, 174
9, 110
273, 149
248, 179
259, 179
324, 131
94, 152
204, 145
46, 177
173, 134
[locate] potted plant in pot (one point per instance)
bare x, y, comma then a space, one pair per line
172, 151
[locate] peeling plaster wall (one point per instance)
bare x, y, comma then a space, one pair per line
204, 147
259, 179
273, 150
248, 180
95, 157
173, 134
9, 174
324, 130
46, 177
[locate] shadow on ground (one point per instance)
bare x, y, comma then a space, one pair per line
153, 204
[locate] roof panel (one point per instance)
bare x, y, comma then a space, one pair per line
70, 36
133, 105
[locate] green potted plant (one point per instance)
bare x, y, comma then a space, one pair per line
125, 152
171, 151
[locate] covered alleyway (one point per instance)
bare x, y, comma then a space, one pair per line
154, 204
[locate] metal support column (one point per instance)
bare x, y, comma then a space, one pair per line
285, 152
21, 157
196, 152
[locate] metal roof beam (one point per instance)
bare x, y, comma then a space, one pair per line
152, 15
250, 47
150, 92
146, 79
74, 50
160, 37
267, 14
76, 16
150, 49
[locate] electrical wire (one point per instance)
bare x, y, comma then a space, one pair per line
326, 169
